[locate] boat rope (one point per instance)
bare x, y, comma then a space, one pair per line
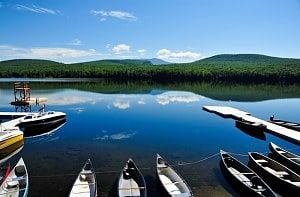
76, 174
146, 168
199, 161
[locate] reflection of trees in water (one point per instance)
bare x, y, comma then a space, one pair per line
217, 91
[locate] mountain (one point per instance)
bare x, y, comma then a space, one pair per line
28, 62
254, 59
156, 61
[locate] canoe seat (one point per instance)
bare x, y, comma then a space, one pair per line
281, 152
12, 184
277, 173
240, 176
261, 161
129, 188
169, 185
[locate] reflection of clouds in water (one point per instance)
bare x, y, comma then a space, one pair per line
116, 136
77, 110
141, 101
69, 100
121, 104
169, 97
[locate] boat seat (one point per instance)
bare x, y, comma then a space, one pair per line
169, 185
277, 173
12, 184
280, 151
240, 176
261, 161
129, 188
293, 182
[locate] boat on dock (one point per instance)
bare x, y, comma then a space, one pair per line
285, 157
9, 136
254, 129
131, 181
16, 183
245, 180
286, 124
278, 176
172, 183
85, 184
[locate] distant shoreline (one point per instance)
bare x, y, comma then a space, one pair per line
243, 68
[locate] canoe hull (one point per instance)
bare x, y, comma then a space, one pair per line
230, 166
85, 183
131, 181
171, 183
284, 156
278, 183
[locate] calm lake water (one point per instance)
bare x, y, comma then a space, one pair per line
109, 126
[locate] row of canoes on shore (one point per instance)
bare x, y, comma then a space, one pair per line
280, 171
282, 176
131, 181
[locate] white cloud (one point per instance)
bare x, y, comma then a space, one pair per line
76, 42
116, 136
121, 48
142, 51
36, 9
121, 104
170, 97
115, 14
167, 54
10, 52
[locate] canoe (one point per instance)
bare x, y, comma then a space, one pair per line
278, 176
286, 158
253, 129
242, 178
131, 181
85, 183
256, 126
286, 124
172, 183
16, 183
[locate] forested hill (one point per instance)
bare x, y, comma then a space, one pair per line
247, 59
242, 68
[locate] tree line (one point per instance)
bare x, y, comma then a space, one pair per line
221, 71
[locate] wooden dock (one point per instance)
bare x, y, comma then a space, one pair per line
230, 112
31, 101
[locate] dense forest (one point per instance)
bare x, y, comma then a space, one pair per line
243, 68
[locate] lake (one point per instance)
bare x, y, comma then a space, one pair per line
110, 122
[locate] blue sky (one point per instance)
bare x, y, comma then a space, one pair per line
173, 30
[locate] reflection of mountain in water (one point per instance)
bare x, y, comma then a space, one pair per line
10, 151
45, 128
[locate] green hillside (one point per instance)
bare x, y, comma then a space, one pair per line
247, 59
240, 68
